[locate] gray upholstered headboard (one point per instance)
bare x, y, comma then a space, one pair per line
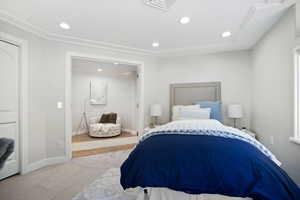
187, 93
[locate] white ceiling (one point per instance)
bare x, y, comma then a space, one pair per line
80, 65
131, 25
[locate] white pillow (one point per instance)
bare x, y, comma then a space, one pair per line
203, 113
176, 110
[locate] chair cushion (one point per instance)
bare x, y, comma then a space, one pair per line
109, 118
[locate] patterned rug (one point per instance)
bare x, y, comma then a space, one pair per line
107, 186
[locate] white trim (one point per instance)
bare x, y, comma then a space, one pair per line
78, 132
23, 89
45, 162
68, 87
295, 140
296, 137
213, 48
133, 132
20, 23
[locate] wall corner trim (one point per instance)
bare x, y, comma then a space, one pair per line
134, 132
295, 140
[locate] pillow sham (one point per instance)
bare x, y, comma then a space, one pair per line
176, 110
199, 114
215, 106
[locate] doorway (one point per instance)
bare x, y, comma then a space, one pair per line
88, 106
9, 104
14, 101
100, 88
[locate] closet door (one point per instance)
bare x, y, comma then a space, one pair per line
9, 104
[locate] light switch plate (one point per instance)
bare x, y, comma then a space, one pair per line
59, 105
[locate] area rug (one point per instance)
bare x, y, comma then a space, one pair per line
107, 186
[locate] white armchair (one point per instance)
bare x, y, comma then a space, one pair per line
97, 129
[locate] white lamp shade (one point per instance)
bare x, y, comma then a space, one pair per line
155, 110
235, 111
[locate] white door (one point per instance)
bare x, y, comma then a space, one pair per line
9, 104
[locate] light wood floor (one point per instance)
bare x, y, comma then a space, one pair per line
87, 138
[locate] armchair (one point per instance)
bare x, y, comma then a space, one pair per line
97, 129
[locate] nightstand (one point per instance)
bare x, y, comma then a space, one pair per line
147, 129
252, 134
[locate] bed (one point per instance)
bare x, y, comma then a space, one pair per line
204, 159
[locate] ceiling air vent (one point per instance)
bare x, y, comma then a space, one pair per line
160, 4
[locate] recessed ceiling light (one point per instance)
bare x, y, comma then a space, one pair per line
155, 44
116, 63
64, 25
99, 70
184, 20
226, 34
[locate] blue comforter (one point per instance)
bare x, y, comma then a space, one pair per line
206, 164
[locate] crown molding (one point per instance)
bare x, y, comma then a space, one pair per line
288, 2
22, 24
209, 49
6, 17
234, 45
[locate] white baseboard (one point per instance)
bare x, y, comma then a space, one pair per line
43, 163
79, 133
133, 132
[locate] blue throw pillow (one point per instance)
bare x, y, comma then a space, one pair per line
215, 106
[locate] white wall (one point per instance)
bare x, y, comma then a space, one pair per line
232, 69
272, 89
47, 86
298, 18
121, 96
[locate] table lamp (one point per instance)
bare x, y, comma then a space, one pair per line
235, 112
155, 112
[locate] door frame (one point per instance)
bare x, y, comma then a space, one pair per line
23, 97
68, 93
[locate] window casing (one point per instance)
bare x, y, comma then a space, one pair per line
296, 137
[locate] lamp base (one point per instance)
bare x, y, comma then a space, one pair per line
235, 123
154, 121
